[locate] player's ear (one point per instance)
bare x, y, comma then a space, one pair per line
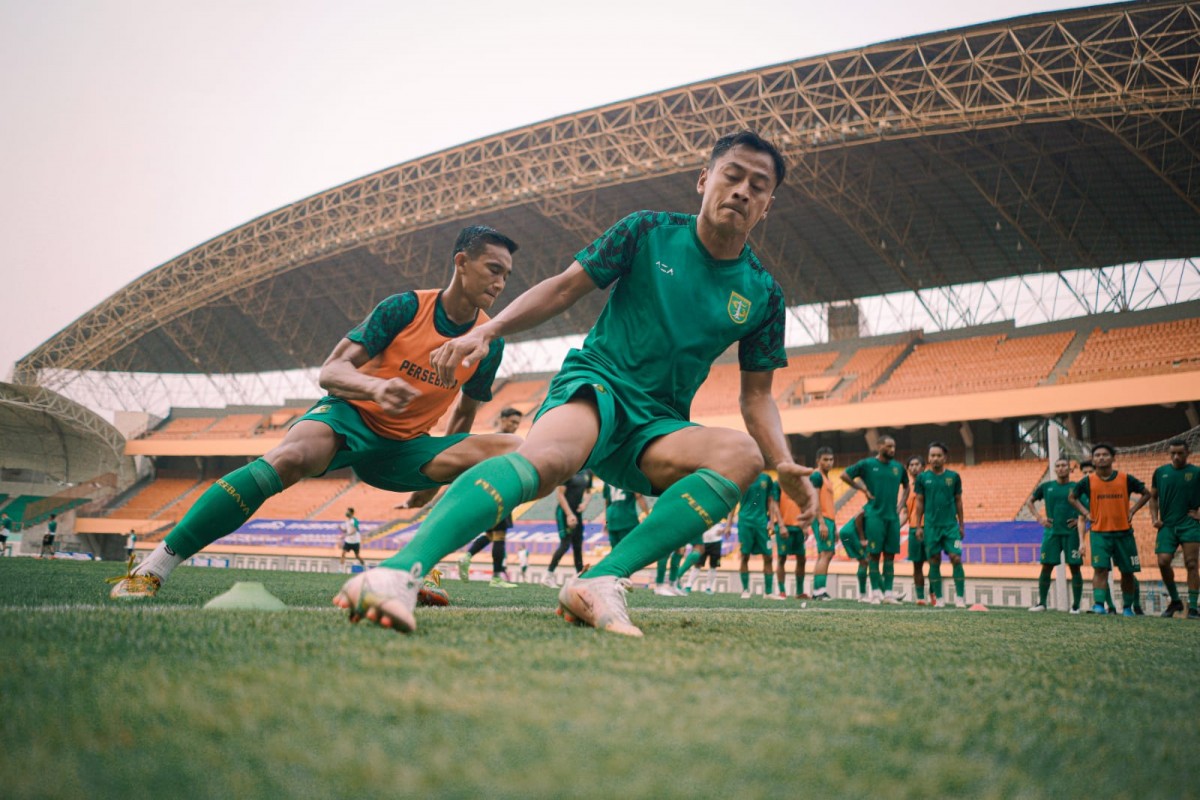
701, 181
460, 260
770, 203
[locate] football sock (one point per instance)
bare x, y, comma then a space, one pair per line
1044, 583
476, 501
1134, 598
935, 579
769, 580
745, 576
711, 577
819, 582
960, 581
1076, 589
921, 592
889, 575
1172, 590
673, 574
660, 575
221, 510
862, 579
478, 545
1193, 598
690, 561
874, 576
1108, 598
687, 508
1098, 596
497, 557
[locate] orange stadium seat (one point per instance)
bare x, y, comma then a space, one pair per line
183, 427
153, 498
368, 503
1138, 350
303, 499
861, 371
234, 426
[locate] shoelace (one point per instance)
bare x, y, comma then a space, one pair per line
128, 573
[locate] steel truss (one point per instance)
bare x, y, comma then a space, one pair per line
1128, 71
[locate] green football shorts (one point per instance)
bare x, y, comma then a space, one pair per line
916, 547
1060, 545
394, 465
754, 541
826, 534
1118, 548
942, 539
793, 543
883, 535
1172, 537
850, 541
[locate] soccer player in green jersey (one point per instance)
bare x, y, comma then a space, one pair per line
854, 539
824, 528
1175, 510
880, 478
383, 400
940, 521
508, 422
756, 516
682, 290
622, 512
1060, 541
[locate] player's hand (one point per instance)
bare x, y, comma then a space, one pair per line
870, 497
793, 479
1194, 513
962, 531
572, 520
394, 395
1045, 523
920, 533
464, 351
420, 499
1158, 523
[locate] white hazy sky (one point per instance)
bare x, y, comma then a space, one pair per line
133, 130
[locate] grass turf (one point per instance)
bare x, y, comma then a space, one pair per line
496, 696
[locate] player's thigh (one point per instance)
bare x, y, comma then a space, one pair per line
466, 453
1191, 554
306, 450
731, 454
1125, 554
560, 441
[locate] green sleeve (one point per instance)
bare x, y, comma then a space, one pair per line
611, 256
957, 484
1135, 485
854, 470
380, 327
479, 386
1082, 488
1040, 492
919, 486
816, 479
761, 350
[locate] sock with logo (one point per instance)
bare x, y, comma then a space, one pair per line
889, 575
222, 509
687, 508
477, 501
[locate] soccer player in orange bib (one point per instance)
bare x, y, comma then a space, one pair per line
384, 397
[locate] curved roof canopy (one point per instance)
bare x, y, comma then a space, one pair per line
1058, 141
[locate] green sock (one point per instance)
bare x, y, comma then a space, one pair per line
1044, 584
921, 592
1076, 590
1108, 598
1134, 598
673, 572
1193, 598
960, 581
688, 508
476, 501
819, 582
935, 579
1098, 596
661, 574
1173, 590
889, 575
769, 580
689, 562
745, 576
223, 508
874, 576
862, 579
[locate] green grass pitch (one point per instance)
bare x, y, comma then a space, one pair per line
497, 697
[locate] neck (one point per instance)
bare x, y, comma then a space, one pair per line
723, 245
938, 470
1105, 472
1063, 480
458, 308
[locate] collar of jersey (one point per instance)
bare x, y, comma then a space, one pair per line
714, 262
444, 325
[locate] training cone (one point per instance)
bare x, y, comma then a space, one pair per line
978, 607
246, 595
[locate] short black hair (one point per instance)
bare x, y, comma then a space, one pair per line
511, 412
917, 459
940, 446
1112, 451
750, 139
472, 239
54, 516
1063, 458
349, 510
824, 451
1179, 443
1086, 465
884, 436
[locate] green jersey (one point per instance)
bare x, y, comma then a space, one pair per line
621, 508
1059, 510
756, 503
939, 492
884, 480
673, 310
1178, 492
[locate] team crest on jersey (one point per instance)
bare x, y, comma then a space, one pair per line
949, 481
739, 308
1187, 476
320, 409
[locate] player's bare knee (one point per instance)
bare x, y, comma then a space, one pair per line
293, 462
738, 458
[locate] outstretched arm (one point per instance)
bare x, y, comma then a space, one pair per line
341, 378
763, 424
547, 299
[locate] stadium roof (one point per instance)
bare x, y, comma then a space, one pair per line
1045, 143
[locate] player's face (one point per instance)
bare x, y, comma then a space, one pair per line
914, 467
737, 190
510, 423
484, 276
825, 463
1179, 456
936, 458
1062, 470
1102, 459
886, 449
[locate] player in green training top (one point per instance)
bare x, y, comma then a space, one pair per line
880, 479
1175, 510
1061, 538
940, 522
756, 516
621, 512
681, 290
